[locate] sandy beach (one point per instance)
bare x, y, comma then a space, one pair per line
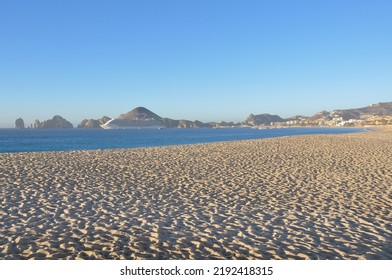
298, 197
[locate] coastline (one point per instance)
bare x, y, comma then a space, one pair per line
47, 140
296, 197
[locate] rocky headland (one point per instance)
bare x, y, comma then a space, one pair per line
92, 123
57, 122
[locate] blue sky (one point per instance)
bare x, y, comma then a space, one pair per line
207, 60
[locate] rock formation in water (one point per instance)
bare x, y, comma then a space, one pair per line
104, 120
37, 124
57, 122
19, 123
89, 123
92, 123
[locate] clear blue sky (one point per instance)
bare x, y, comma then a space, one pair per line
207, 60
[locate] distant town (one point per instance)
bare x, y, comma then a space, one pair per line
336, 120
379, 114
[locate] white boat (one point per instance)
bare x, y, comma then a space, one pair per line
132, 124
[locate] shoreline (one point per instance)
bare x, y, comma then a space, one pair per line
296, 197
168, 145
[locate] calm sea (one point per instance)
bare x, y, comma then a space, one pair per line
35, 140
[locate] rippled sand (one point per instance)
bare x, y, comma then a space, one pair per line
305, 197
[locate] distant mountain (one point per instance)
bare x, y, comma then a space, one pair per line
324, 117
262, 119
57, 122
140, 113
380, 109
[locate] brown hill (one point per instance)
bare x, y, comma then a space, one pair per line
140, 113
379, 109
262, 119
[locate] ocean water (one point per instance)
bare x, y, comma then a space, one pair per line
36, 140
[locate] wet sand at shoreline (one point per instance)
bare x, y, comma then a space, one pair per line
297, 197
